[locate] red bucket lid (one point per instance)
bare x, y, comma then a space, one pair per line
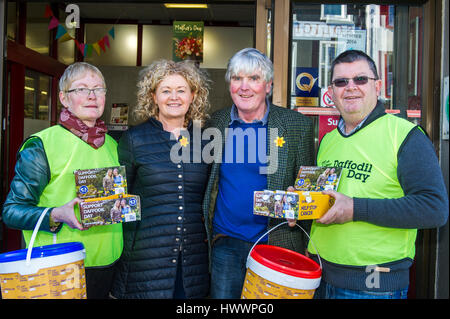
286, 261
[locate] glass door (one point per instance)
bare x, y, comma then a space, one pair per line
36, 102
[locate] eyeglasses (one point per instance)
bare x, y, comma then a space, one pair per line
358, 80
85, 91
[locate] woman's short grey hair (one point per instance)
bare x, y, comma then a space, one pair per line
75, 71
248, 61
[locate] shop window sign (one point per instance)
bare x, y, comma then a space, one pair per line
334, 12
316, 30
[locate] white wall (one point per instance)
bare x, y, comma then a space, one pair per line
121, 83
220, 43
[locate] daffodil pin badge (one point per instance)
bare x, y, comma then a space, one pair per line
184, 141
279, 141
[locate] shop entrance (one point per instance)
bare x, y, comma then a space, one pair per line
37, 56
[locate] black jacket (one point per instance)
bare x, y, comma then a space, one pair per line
171, 228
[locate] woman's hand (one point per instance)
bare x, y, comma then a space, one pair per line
66, 214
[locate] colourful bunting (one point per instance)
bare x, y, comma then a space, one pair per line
81, 47
60, 32
85, 48
48, 12
101, 43
53, 23
106, 40
111, 32
96, 47
89, 49
66, 37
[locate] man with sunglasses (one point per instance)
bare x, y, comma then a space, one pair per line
391, 185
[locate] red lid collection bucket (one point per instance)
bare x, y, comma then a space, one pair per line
284, 267
276, 272
286, 261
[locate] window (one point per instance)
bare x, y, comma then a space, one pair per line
37, 95
320, 32
37, 33
334, 13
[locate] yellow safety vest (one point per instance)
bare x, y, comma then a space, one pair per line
369, 162
65, 154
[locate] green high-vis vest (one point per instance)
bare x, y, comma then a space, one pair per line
369, 162
65, 154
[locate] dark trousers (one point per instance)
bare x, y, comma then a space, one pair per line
179, 292
99, 282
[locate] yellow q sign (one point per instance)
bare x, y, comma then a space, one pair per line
307, 86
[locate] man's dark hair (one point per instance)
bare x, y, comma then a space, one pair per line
352, 56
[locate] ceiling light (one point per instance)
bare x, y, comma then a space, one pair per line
186, 5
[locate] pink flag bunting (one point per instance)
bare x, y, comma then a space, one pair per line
62, 35
106, 40
53, 23
81, 47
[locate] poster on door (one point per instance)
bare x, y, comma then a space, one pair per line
353, 40
327, 123
306, 87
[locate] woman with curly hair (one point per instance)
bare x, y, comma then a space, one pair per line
165, 253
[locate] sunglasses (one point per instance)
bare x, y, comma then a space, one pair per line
358, 80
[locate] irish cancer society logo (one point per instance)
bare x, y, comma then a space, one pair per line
83, 189
132, 202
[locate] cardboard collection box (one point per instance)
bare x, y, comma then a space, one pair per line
105, 199
292, 205
313, 205
276, 204
306, 202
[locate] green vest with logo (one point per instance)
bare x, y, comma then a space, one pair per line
65, 154
369, 162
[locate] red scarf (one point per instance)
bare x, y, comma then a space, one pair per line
94, 136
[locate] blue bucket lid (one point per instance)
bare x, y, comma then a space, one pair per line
42, 251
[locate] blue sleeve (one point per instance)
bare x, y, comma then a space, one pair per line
425, 204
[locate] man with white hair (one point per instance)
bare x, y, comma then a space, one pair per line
249, 129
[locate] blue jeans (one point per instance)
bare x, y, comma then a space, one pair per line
228, 258
327, 291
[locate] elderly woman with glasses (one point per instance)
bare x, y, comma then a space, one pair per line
44, 183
